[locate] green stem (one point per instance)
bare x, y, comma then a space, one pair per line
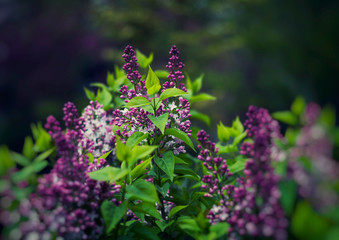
123, 199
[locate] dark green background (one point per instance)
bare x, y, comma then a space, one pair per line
252, 52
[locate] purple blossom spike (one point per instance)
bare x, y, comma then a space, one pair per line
216, 165
251, 205
175, 67
131, 69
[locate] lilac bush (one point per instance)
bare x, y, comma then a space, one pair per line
125, 167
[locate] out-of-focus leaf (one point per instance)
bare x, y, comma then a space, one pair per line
238, 166
203, 117
175, 210
112, 214
144, 61
317, 226
27, 150
285, 117
196, 86
288, 195
202, 97
298, 106
161, 73
223, 132
136, 138
6, 161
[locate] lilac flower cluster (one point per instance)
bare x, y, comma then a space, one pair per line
135, 119
314, 144
175, 66
132, 74
251, 206
98, 137
217, 166
67, 202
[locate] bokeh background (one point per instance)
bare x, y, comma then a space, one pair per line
262, 52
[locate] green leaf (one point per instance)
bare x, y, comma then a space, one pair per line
202, 97
6, 161
288, 195
237, 125
219, 229
104, 156
171, 92
238, 138
189, 82
110, 79
160, 122
20, 159
179, 160
285, 117
181, 135
188, 224
140, 152
196, 86
304, 215
105, 98
238, 166
332, 234
138, 102
27, 150
161, 73
90, 157
166, 163
164, 189
143, 232
327, 116
25, 173
90, 95
123, 152
44, 140
44, 155
161, 225
175, 210
112, 214
144, 61
203, 117
147, 208
148, 108
108, 173
183, 169
298, 106
118, 72
142, 190
152, 82
136, 138
140, 169
223, 132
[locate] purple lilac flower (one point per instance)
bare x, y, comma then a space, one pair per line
313, 143
67, 202
135, 119
251, 206
132, 74
217, 166
175, 66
